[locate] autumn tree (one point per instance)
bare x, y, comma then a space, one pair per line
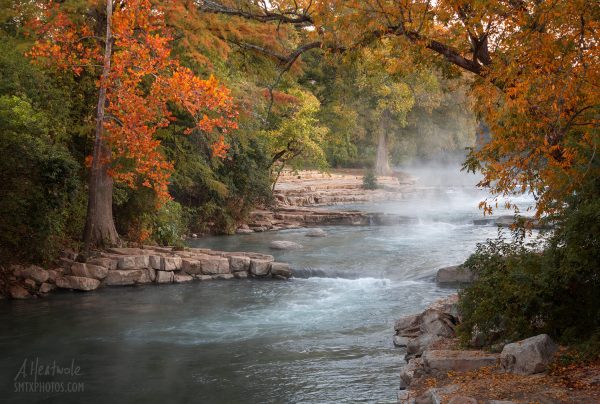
138, 83
535, 63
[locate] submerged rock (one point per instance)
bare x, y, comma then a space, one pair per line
281, 269
285, 245
529, 356
316, 233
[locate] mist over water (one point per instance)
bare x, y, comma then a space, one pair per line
322, 337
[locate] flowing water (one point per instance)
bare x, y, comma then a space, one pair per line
324, 337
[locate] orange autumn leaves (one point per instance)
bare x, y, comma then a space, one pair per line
144, 80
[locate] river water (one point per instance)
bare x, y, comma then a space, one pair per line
322, 338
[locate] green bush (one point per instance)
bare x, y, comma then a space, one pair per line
370, 180
554, 289
38, 184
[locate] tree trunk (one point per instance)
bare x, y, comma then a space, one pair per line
382, 165
100, 225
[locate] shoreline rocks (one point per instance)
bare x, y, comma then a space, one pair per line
432, 355
138, 266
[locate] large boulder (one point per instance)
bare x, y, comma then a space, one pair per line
435, 322
285, 245
529, 356
459, 361
88, 270
454, 274
38, 274
77, 283
260, 267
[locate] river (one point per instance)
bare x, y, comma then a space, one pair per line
322, 338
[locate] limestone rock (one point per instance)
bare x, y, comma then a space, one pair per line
134, 262
170, 264
259, 267
528, 356
30, 283
203, 278
416, 346
155, 261
53, 274
88, 270
206, 265
285, 245
127, 251
317, 232
244, 231
38, 274
181, 278
120, 277
437, 323
412, 370
105, 262
460, 361
164, 277
454, 274
400, 342
281, 269
151, 274
18, 292
47, 287
77, 283
239, 264
408, 326
191, 266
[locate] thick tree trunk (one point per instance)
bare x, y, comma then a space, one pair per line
100, 225
382, 165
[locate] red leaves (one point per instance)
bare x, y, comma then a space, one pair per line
143, 79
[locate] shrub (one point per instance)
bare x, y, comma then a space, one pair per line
370, 180
523, 291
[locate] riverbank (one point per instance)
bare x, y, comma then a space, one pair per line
440, 371
137, 266
301, 196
